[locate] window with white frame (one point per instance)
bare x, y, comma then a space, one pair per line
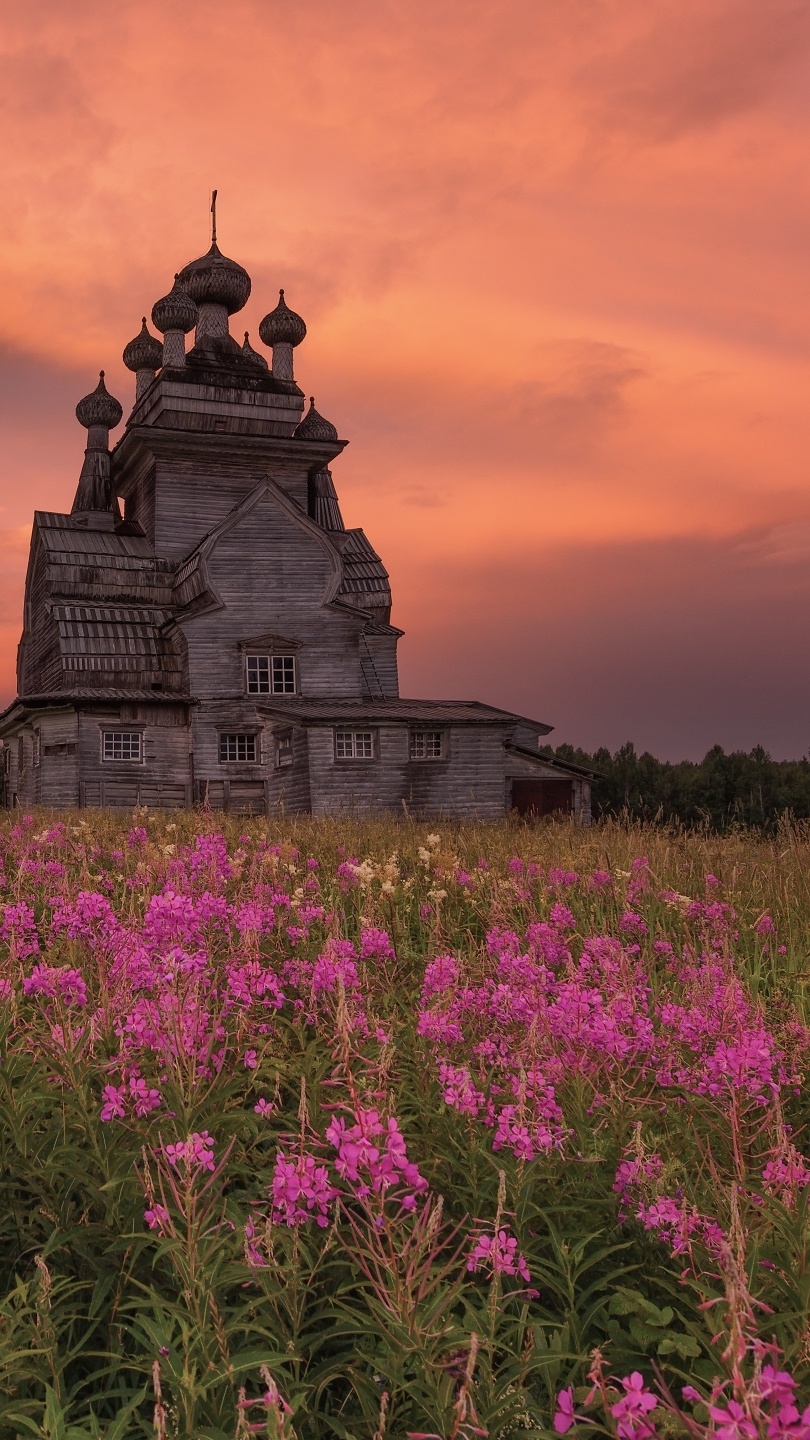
237, 747
121, 745
270, 674
354, 745
426, 744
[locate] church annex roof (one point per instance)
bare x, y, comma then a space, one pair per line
108, 643
61, 533
360, 712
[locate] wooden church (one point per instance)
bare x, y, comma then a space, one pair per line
203, 629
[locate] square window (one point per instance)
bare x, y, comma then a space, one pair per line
270, 674
354, 745
427, 744
121, 745
237, 747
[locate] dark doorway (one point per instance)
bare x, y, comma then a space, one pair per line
542, 797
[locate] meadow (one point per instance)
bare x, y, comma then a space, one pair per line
383, 1129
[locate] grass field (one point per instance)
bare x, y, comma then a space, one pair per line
375, 1129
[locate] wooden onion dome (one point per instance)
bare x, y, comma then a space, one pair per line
314, 426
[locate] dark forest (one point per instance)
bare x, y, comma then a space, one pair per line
719, 791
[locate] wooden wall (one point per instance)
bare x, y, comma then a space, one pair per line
470, 781
378, 660
54, 781
164, 776
272, 575
188, 499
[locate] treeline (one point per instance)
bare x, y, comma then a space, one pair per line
719, 791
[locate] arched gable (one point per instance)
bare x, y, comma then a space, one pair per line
268, 531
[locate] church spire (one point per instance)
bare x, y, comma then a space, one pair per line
99, 412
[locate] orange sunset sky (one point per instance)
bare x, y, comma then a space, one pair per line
553, 258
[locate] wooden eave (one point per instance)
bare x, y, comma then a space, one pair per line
139, 442
396, 710
566, 766
21, 709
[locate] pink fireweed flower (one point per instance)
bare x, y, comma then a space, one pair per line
561, 917
144, 1099
499, 1254
562, 879
301, 1191
253, 1255
263, 1107
639, 883
678, 1224
113, 1107
441, 1028
634, 1172
196, 1153
732, 1423
440, 975
87, 917
157, 1217
208, 859
776, 1385
633, 924
524, 1140
565, 1415
348, 878
252, 983
751, 1065
372, 1157
786, 1174
375, 945
631, 1410
172, 919
765, 926
336, 965
18, 930
458, 1090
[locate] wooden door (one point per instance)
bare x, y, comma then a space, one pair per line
542, 797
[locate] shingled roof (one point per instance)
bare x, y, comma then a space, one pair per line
365, 578
455, 712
